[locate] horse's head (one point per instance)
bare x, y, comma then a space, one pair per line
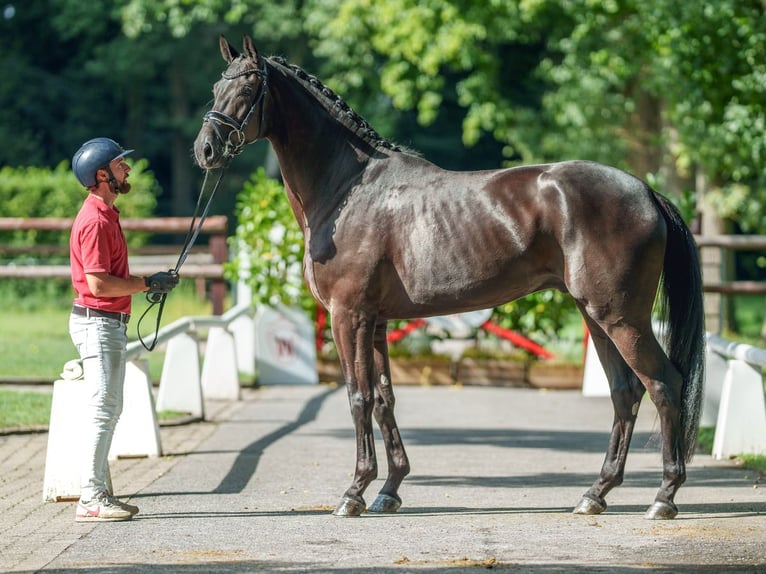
228, 126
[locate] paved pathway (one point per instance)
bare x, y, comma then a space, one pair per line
495, 474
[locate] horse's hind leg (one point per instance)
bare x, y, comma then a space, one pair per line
644, 355
388, 499
626, 392
665, 386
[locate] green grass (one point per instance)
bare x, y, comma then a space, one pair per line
24, 408
27, 409
754, 462
705, 438
35, 343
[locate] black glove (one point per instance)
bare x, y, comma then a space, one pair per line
162, 282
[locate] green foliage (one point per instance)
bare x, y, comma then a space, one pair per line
269, 244
543, 314
268, 21
42, 192
418, 51
708, 61
608, 80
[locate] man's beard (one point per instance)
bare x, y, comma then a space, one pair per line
124, 187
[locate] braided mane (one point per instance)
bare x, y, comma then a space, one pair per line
336, 105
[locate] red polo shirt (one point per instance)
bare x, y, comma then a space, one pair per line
97, 245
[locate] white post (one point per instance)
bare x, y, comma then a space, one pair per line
716, 366
594, 380
62, 473
741, 425
137, 432
65, 444
220, 379
243, 329
180, 383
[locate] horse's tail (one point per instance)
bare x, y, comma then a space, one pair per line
682, 313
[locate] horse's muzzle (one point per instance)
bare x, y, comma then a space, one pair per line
208, 152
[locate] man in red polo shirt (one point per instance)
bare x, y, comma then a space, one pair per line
98, 324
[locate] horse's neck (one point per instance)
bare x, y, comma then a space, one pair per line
320, 159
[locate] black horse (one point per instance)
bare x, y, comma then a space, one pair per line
389, 235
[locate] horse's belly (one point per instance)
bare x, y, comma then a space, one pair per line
469, 266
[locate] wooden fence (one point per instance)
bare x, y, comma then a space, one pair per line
725, 244
717, 273
205, 262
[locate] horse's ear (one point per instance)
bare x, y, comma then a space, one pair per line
228, 51
250, 50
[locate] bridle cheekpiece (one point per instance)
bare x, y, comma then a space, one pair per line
234, 142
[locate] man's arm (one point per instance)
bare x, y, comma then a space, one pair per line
105, 285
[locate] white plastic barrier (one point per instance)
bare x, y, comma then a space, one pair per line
180, 389
226, 355
284, 347
716, 366
62, 468
220, 379
594, 380
243, 329
741, 417
136, 434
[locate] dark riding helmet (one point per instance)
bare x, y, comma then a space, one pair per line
93, 155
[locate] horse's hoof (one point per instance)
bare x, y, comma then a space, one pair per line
385, 503
589, 506
348, 507
661, 511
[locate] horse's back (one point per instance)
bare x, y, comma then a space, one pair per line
443, 241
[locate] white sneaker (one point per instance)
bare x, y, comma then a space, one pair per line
133, 509
103, 508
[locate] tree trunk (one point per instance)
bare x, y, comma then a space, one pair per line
717, 263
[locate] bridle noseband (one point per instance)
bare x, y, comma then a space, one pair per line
234, 142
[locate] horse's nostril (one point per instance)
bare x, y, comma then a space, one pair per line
208, 150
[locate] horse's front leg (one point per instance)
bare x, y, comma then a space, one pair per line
353, 335
388, 499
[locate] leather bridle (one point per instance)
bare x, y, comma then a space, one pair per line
234, 141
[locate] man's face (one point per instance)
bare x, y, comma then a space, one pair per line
120, 170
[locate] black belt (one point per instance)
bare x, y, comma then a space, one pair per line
88, 312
